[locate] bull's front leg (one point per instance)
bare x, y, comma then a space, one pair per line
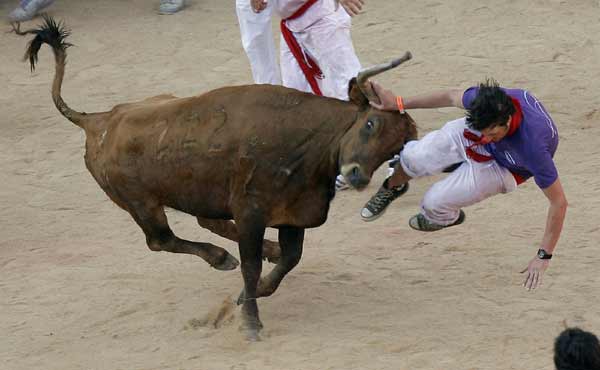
291, 240
251, 235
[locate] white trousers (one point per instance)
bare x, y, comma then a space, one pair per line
258, 42
470, 183
327, 40
329, 43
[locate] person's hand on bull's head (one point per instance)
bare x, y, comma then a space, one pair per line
375, 135
258, 5
387, 99
371, 92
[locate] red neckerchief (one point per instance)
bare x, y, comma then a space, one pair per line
308, 65
515, 122
516, 118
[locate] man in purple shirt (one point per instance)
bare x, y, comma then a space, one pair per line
529, 150
506, 137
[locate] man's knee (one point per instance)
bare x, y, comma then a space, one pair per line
431, 204
412, 162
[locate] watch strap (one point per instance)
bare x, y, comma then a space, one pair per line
543, 255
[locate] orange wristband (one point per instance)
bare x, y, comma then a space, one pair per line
400, 104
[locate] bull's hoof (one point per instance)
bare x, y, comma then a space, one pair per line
228, 263
251, 328
252, 335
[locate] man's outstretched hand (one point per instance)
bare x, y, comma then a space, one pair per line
535, 271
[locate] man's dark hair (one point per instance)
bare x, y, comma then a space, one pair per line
576, 349
490, 107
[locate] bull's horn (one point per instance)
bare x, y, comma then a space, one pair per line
363, 76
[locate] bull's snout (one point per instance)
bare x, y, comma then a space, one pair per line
355, 176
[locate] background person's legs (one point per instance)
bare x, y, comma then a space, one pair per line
329, 42
28, 9
258, 42
170, 6
291, 74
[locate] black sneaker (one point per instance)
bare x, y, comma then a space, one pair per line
376, 206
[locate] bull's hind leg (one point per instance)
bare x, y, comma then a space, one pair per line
160, 237
291, 240
228, 230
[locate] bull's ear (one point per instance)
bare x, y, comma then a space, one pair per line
356, 95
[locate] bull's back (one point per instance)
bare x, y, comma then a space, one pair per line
190, 153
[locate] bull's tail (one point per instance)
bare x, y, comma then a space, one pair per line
53, 34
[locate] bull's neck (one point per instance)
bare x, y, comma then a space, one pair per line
330, 161
313, 148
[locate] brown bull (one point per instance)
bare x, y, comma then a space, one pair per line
261, 155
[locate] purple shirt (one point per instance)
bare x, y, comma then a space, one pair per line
529, 151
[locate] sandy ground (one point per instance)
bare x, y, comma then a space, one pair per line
79, 289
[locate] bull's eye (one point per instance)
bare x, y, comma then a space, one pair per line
370, 128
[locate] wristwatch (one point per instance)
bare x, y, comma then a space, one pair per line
543, 255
